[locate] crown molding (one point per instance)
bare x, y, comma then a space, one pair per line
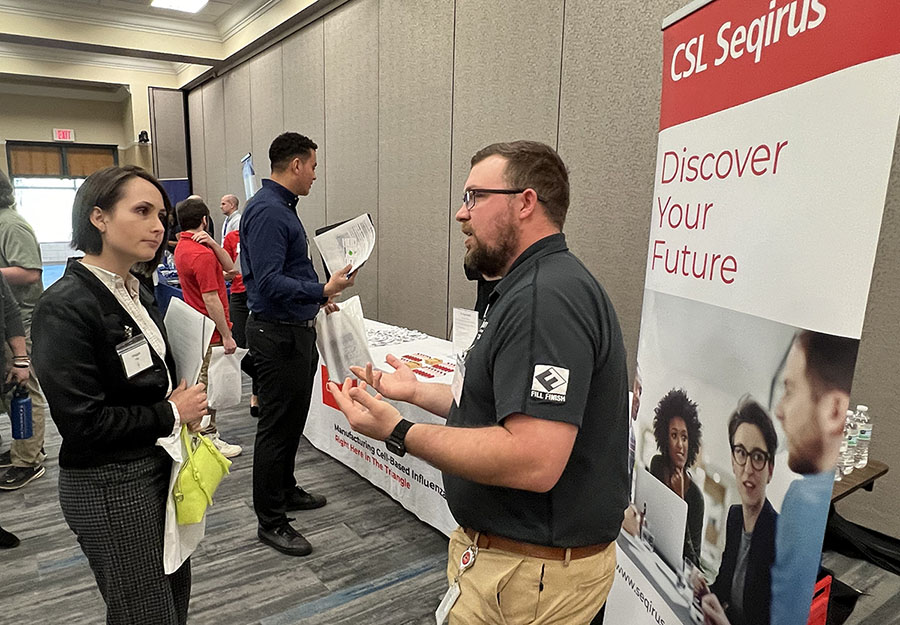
230, 23
74, 57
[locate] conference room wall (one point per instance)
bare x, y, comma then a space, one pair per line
415, 54
213, 95
351, 127
608, 127
197, 142
304, 111
506, 86
238, 120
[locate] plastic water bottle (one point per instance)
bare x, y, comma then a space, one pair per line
839, 467
20, 414
849, 457
864, 423
842, 456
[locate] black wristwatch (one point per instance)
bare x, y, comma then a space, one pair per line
396, 442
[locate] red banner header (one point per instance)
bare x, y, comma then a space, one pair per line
734, 51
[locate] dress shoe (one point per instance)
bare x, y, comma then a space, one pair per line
8, 540
285, 539
299, 499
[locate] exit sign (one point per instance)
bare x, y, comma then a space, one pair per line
63, 134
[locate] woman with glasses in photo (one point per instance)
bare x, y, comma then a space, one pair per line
741, 594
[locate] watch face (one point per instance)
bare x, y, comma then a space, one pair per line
395, 448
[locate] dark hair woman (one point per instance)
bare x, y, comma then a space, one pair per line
100, 348
743, 586
676, 427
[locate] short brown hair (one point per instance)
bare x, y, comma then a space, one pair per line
830, 361
534, 165
190, 213
103, 189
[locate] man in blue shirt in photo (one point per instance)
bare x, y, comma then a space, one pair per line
817, 378
284, 295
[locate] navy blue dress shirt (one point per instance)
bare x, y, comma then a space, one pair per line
280, 279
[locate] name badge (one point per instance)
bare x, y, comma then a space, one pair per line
459, 378
443, 610
135, 355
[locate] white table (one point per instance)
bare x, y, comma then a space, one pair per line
415, 484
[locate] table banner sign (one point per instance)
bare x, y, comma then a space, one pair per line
412, 482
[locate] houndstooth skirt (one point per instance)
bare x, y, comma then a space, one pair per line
117, 512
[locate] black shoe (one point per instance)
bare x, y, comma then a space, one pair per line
299, 499
8, 540
17, 477
6, 459
285, 539
254, 412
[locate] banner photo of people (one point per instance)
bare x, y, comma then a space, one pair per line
777, 127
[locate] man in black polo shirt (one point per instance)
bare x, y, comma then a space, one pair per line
534, 453
283, 294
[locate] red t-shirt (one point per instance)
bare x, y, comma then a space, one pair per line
199, 272
232, 245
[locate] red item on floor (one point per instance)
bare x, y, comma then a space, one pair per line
818, 612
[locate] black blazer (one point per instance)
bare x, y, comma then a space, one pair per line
758, 580
102, 415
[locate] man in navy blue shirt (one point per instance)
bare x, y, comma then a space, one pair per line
284, 295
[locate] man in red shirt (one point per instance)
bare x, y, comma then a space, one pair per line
200, 263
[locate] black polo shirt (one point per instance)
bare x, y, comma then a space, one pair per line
549, 347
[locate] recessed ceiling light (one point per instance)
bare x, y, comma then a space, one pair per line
188, 6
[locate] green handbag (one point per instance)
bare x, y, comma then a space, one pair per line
204, 467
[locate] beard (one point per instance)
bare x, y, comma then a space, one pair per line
805, 460
491, 261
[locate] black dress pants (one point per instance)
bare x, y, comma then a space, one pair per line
237, 306
286, 359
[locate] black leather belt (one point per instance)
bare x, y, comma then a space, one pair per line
306, 323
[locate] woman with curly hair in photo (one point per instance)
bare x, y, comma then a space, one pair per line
676, 427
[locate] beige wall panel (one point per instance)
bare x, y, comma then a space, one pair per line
351, 127
415, 98
238, 128
876, 383
506, 87
198, 143
303, 67
214, 143
168, 133
266, 105
608, 126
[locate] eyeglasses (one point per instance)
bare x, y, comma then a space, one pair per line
470, 196
758, 458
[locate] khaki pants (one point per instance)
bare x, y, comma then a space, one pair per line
503, 588
28, 452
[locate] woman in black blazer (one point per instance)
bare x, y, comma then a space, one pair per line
100, 350
742, 592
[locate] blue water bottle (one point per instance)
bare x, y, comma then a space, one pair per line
20, 414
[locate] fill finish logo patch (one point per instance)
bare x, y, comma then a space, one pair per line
550, 383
